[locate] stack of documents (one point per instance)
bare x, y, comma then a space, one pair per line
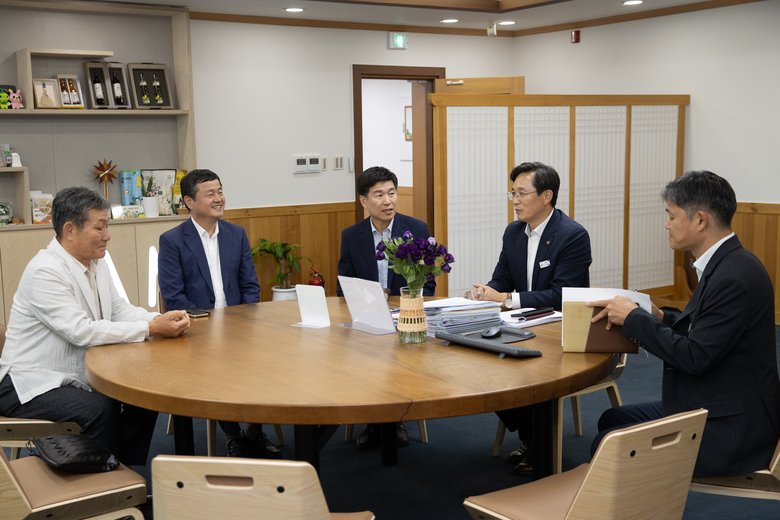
459, 315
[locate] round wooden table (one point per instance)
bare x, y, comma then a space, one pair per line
248, 364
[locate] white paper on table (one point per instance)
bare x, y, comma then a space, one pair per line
446, 303
313, 307
593, 294
507, 319
367, 306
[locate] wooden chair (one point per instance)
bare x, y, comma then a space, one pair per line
420, 424
760, 484
608, 384
203, 487
32, 490
14, 433
211, 425
639, 472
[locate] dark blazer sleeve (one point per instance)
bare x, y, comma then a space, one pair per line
247, 275
345, 265
726, 312
169, 271
502, 280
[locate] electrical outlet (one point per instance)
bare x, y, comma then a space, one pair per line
338, 162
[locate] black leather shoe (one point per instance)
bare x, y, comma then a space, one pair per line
262, 448
238, 448
368, 438
519, 455
401, 435
526, 467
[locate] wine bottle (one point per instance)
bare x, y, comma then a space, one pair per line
144, 90
157, 90
64, 93
119, 98
74, 94
99, 98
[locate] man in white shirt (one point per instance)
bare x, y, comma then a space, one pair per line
207, 263
720, 352
543, 251
65, 304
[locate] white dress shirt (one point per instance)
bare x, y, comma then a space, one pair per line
381, 265
701, 263
533, 246
55, 317
211, 248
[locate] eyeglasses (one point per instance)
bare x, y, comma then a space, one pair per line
519, 194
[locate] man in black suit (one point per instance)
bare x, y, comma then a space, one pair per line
720, 353
377, 188
543, 251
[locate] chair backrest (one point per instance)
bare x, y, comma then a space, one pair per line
161, 307
618, 371
2, 337
13, 502
208, 487
643, 471
774, 464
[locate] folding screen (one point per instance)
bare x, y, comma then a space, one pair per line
613, 154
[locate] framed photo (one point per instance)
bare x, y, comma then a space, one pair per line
69, 90
150, 86
46, 93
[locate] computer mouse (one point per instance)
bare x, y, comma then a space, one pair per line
491, 333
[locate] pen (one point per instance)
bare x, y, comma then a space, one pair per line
535, 312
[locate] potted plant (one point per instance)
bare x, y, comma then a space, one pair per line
286, 261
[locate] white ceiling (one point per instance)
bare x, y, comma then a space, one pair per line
565, 11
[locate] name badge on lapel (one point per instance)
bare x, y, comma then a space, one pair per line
544, 264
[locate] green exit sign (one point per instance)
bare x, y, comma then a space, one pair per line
397, 41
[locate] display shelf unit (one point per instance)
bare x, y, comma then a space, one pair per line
182, 69
22, 183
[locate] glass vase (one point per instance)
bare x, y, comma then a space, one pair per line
412, 325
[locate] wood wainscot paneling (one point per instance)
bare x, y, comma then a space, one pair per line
405, 200
758, 227
316, 227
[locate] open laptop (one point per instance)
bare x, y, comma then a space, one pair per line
367, 306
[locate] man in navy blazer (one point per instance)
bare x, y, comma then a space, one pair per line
377, 188
207, 263
543, 251
720, 352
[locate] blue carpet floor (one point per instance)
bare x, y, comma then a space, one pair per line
431, 480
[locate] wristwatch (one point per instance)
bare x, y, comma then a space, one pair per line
508, 303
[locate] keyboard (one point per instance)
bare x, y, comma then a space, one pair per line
488, 344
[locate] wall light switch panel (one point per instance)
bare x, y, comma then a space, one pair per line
314, 163
300, 164
324, 161
338, 162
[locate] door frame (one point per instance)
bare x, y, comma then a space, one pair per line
361, 72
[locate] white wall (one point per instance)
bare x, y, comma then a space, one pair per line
383, 122
727, 59
264, 93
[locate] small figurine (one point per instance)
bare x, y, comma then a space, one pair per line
3, 99
16, 99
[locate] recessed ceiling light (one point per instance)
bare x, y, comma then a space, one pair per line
449, 20
632, 2
293, 9
507, 22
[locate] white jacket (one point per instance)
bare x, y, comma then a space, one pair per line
54, 321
